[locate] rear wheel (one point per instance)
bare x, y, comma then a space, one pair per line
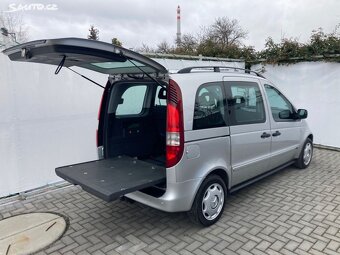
209, 201
306, 155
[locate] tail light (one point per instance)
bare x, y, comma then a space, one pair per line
174, 125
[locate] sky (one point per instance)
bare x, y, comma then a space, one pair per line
135, 22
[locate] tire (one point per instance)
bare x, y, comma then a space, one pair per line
306, 155
209, 202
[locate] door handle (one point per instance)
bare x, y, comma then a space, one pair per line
265, 135
277, 133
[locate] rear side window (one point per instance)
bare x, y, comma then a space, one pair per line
131, 101
245, 103
209, 109
160, 99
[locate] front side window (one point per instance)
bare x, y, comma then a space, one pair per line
245, 103
278, 104
131, 100
209, 109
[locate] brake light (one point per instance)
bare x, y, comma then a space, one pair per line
174, 125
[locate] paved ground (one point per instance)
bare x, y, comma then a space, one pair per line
292, 212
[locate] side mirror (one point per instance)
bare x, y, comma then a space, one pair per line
302, 114
121, 101
285, 114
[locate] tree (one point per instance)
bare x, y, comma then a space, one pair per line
145, 49
322, 43
248, 53
164, 47
94, 33
115, 41
287, 48
271, 50
208, 48
225, 32
187, 45
291, 50
223, 38
15, 25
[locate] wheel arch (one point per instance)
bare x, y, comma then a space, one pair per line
219, 171
310, 136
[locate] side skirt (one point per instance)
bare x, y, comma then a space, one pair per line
259, 177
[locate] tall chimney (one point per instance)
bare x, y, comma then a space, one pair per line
178, 25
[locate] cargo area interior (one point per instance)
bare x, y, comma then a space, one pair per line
136, 125
134, 142
136, 122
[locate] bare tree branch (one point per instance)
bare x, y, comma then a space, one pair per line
226, 32
145, 49
164, 47
14, 23
188, 44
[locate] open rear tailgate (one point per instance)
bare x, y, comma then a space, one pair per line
111, 178
90, 54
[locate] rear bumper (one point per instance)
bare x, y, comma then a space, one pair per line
177, 198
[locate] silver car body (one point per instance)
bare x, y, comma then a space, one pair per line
236, 152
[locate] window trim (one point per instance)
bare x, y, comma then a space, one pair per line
285, 98
230, 97
146, 102
225, 105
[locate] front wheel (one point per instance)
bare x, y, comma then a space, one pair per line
209, 201
306, 155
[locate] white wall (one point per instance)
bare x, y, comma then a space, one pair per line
46, 120
314, 86
49, 120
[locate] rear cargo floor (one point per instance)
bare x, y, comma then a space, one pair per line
111, 178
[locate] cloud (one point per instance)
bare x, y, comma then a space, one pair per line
146, 21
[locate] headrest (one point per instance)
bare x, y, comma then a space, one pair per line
162, 93
206, 99
239, 100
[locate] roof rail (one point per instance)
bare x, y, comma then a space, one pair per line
217, 69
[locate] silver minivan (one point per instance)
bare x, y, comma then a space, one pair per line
177, 141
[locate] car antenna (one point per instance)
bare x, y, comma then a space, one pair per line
61, 64
148, 75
